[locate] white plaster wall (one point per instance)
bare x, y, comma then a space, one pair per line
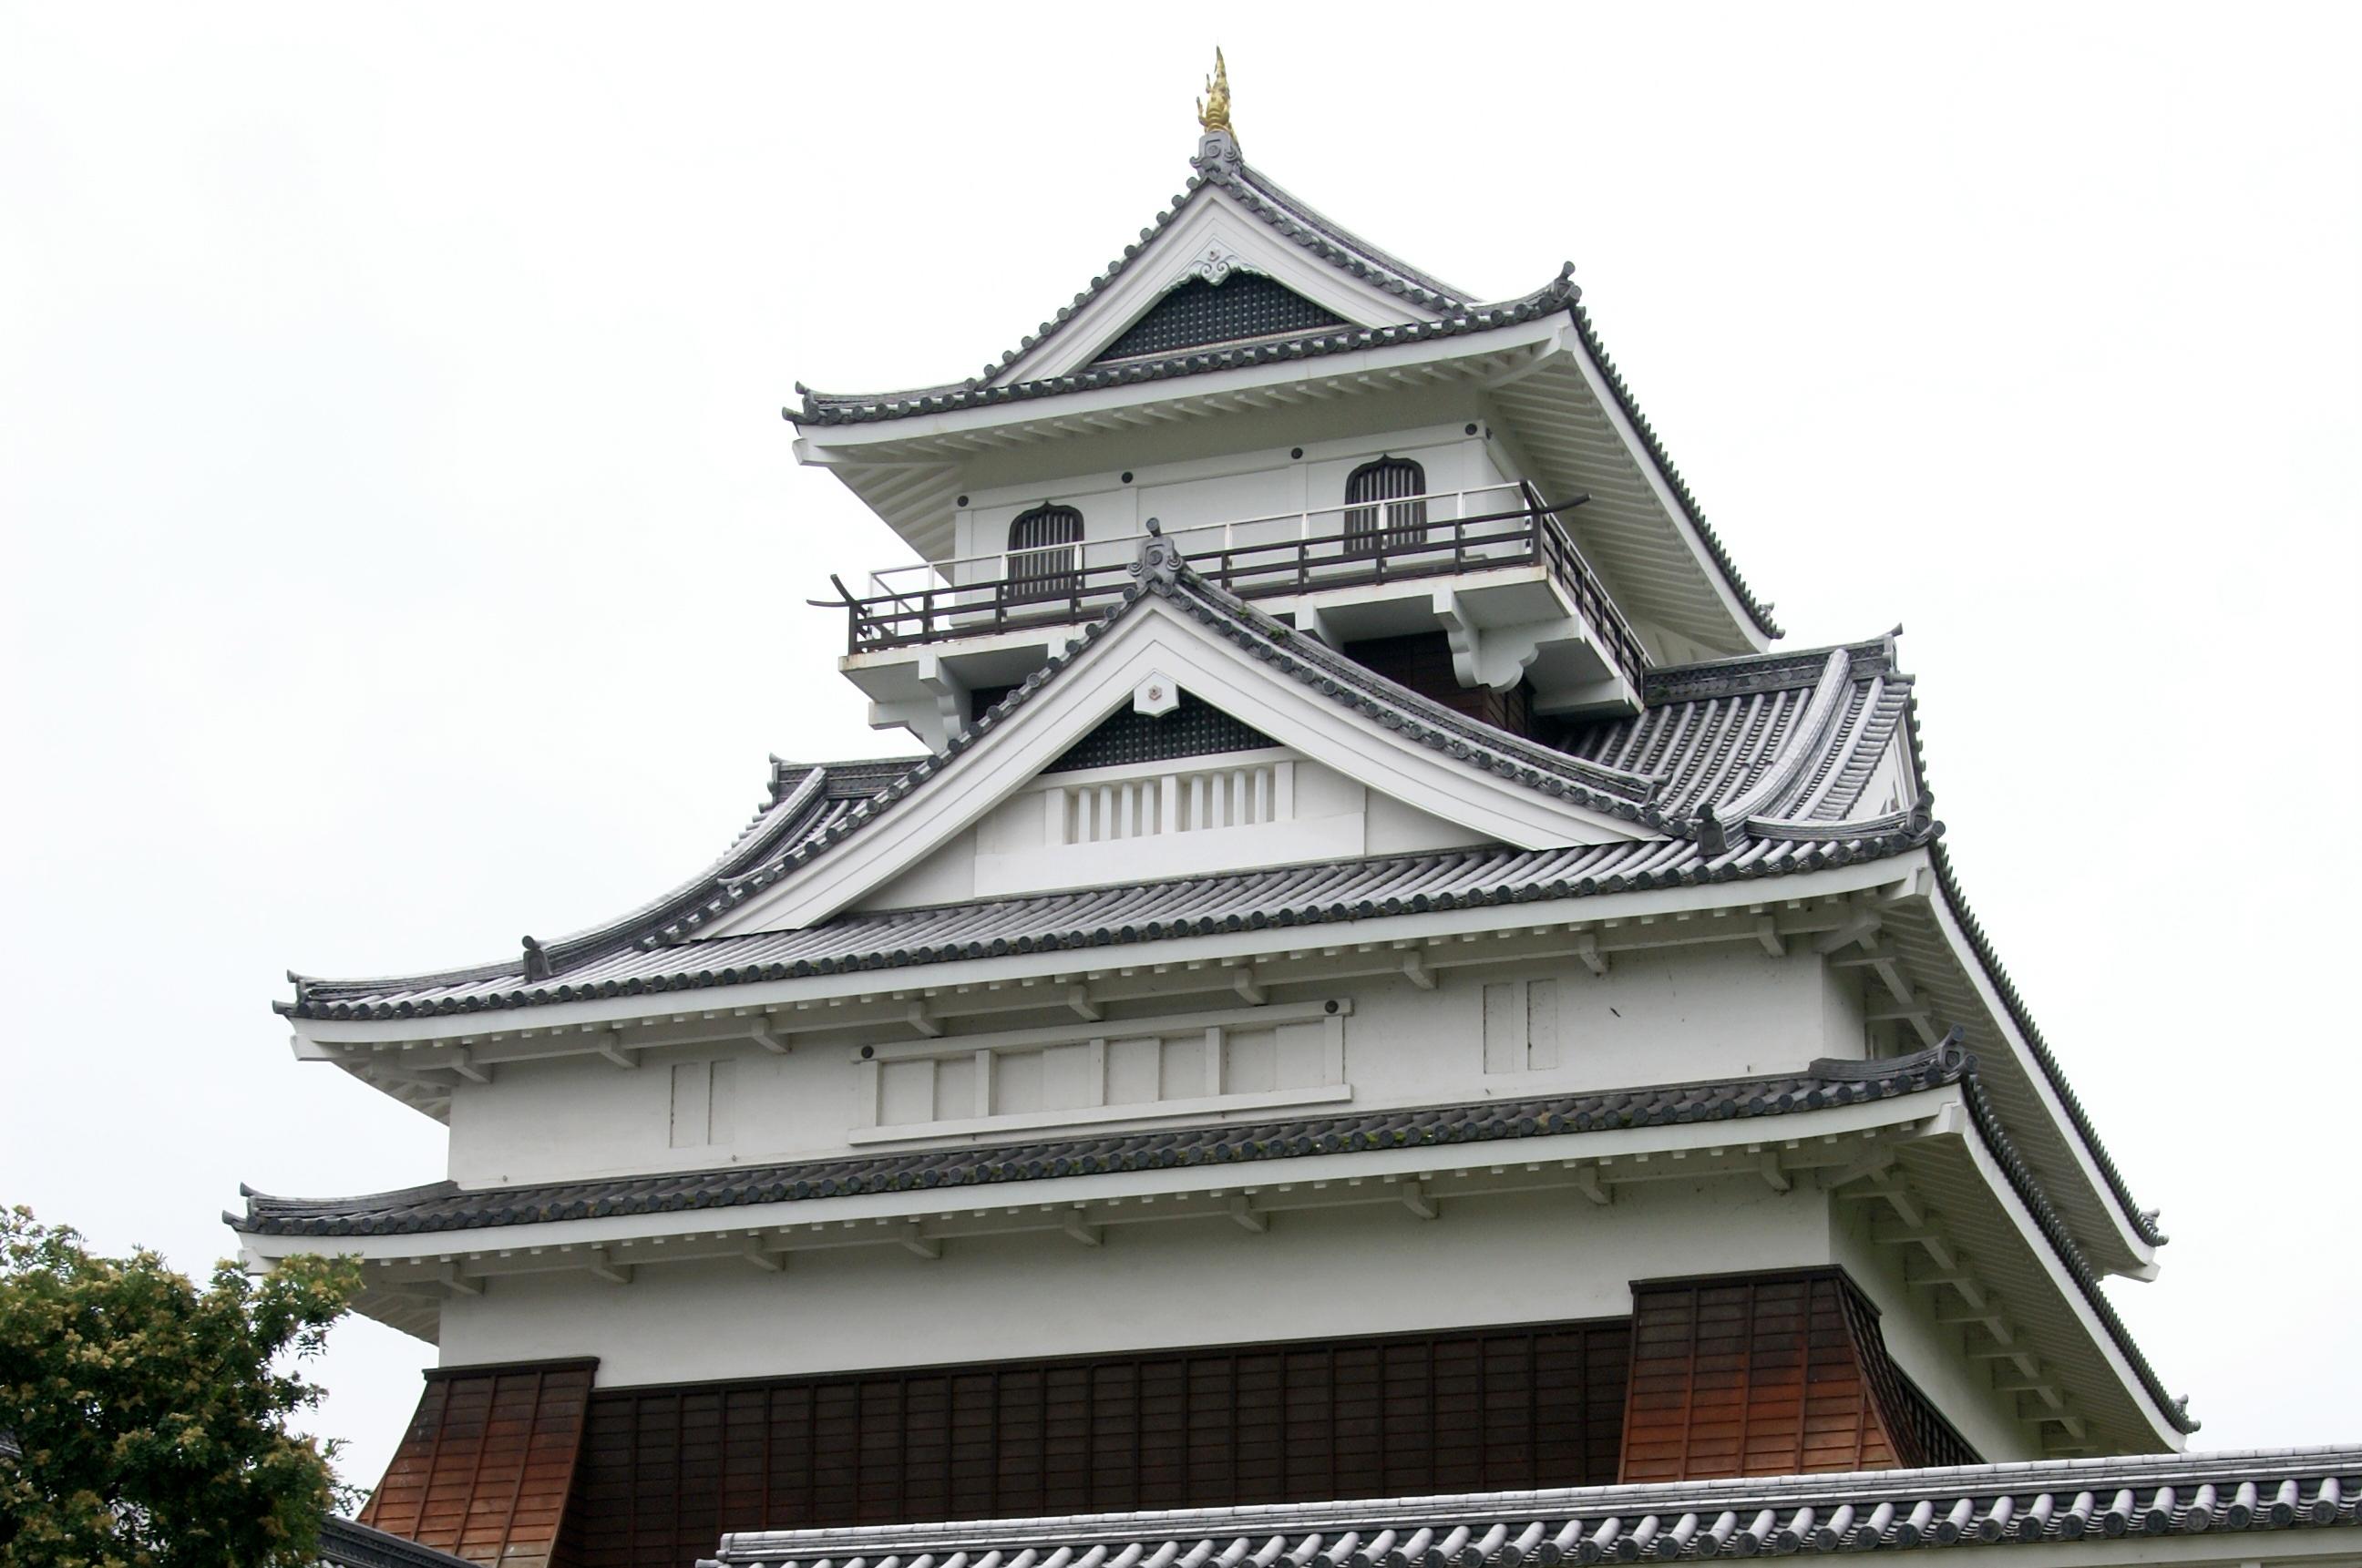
1666, 1015
1844, 1017
946, 877
1931, 1354
1202, 484
1533, 1257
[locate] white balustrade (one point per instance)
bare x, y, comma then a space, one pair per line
1196, 801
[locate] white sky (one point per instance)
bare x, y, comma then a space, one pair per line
403, 549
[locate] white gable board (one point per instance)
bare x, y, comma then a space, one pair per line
1211, 237
1191, 816
1152, 644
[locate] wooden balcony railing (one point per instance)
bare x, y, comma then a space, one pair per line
1392, 541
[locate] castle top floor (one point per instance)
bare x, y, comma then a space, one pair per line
1365, 450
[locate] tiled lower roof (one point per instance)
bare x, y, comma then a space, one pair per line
345, 1544
1317, 894
2254, 1494
446, 1207
1715, 731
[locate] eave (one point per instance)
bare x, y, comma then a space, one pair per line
1890, 1131
2253, 1506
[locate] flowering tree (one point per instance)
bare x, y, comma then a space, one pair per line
147, 1416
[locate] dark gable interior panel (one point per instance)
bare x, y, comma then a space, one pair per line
665, 1472
1242, 305
1194, 728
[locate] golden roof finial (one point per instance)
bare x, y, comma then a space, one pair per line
1214, 108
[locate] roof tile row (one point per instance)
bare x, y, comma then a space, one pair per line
2094, 1500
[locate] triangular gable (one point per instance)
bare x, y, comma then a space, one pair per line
1231, 222
1175, 635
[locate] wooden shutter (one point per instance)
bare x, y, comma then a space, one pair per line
1372, 530
667, 1472
1043, 550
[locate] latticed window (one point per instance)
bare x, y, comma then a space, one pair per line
1371, 528
1043, 553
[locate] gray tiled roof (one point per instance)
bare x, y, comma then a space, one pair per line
2252, 1493
444, 1205
1688, 747
1118, 916
830, 408
1712, 731
347, 1544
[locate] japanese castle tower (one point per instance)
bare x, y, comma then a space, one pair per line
1388, 1027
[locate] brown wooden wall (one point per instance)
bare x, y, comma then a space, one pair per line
665, 1472
485, 1469
1775, 1375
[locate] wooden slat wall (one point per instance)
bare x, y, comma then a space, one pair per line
666, 1472
485, 1469
1918, 1430
1778, 1375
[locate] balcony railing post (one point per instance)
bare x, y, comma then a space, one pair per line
1394, 551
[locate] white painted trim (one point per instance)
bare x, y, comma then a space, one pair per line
1571, 342
1107, 1029
1154, 638
2054, 1272
1210, 392
1148, 1110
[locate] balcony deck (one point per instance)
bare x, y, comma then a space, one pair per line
1424, 538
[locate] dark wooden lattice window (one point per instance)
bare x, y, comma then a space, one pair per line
1043, 554
1385, 506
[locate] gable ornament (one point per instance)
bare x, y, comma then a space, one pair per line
1160, 558
1218, 146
